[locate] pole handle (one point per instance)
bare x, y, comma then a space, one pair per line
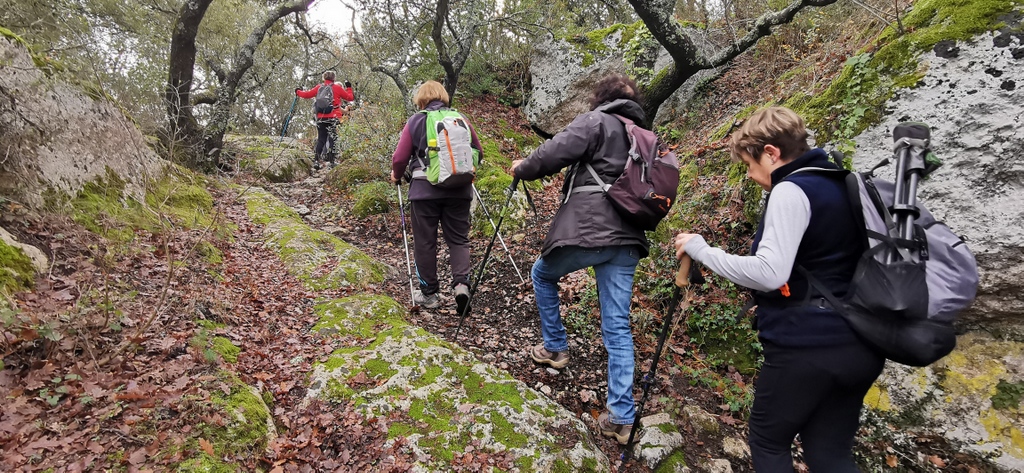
683, 274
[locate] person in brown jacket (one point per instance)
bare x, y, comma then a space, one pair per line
588, 232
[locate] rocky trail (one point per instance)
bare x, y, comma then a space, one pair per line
503, 324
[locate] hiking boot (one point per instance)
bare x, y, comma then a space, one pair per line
619, 432
461, 298
556, 360
316, 165
426, 301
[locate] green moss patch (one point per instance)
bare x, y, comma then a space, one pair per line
226, 349
205, 464
374, 198
16, 270
855, 99
104, 207
246, 431
320, 260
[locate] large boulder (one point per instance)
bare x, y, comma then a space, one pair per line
563, 75
974, 105
56, 137
971, 99
564, 71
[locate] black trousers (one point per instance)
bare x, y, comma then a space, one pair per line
816, 392
453, 216
326, 128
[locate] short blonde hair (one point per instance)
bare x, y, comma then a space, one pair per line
430, 90
778, 126
329, 75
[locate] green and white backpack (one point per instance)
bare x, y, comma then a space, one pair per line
451, 158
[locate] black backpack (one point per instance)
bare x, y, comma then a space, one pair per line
906, 292
324, 102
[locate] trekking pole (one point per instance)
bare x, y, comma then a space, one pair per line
495, 227
913, 161
288, 119
684, 275
483, 264
405, 238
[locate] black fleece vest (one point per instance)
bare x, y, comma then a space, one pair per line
829, 249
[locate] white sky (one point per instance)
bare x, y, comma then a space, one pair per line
331, 15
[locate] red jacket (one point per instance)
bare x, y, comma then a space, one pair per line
340, 93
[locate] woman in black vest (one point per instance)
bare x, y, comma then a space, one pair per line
816, 371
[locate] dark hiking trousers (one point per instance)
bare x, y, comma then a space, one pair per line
326, 128
453, 215
816, 392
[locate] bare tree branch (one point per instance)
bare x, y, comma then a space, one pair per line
687, 58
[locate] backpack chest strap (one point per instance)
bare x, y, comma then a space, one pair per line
601, 187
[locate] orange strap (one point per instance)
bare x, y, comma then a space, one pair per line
785, 290
451, 154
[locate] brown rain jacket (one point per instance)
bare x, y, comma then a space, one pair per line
588, 219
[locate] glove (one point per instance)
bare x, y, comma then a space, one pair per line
348, 85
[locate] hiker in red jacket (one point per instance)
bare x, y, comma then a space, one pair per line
328, 116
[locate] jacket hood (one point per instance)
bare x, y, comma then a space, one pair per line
435, 105
626, 108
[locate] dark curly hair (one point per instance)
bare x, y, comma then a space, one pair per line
613, 87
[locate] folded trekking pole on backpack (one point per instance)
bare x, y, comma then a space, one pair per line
685, 275
914, 275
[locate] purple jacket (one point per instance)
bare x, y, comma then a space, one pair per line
411, 153
588, 218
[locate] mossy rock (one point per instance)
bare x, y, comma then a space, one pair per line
16, 270
856, 98
276, 159
352, 172
247, 430
318, 259
105, 208
373, 199
440, 396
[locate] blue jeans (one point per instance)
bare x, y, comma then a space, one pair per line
614, 267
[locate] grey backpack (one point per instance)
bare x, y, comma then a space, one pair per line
324, 103
905, 293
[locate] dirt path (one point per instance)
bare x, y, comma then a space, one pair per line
504, 320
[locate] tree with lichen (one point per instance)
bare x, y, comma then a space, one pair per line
204, 143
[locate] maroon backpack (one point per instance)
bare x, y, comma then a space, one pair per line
647, 188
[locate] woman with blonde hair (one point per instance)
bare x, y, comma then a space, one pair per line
434, 205
816, 371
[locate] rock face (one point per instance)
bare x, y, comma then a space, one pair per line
564, 74
973, 99
562, 83
56, 137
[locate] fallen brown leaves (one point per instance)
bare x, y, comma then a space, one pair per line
66, 410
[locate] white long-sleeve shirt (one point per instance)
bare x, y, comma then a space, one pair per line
786, 219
